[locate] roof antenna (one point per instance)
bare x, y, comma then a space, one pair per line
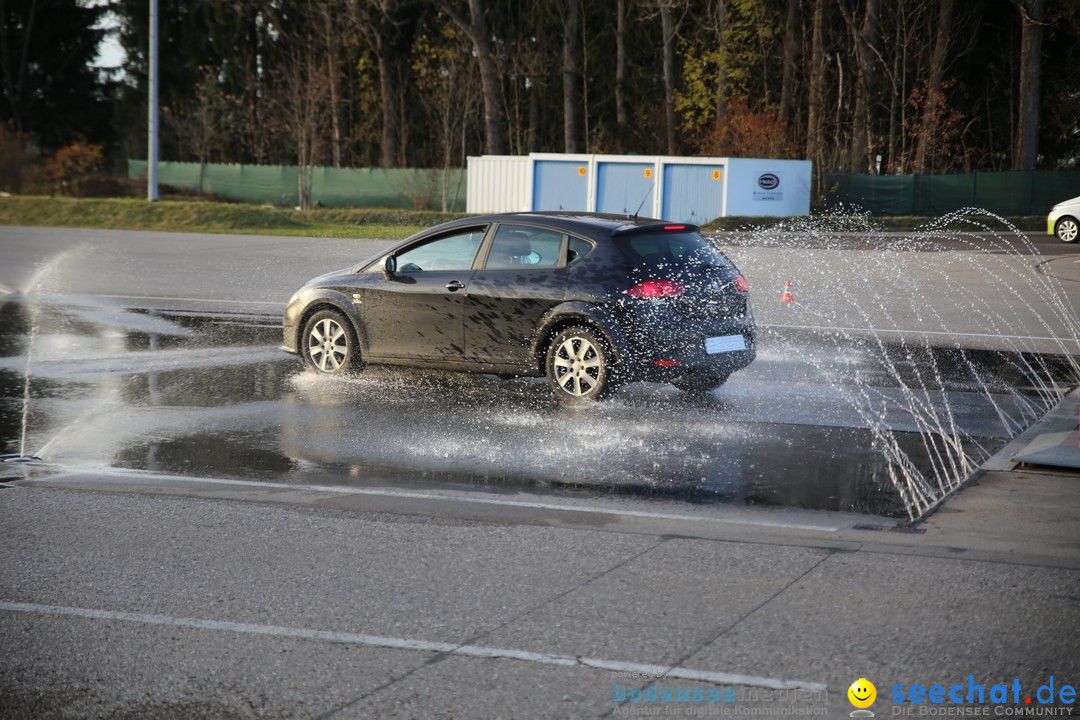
647, 194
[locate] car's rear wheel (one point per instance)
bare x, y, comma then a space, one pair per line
1067, 230
329, 343
579, 367
697, 385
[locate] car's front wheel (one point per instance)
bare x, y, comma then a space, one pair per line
1067, 229
579, 367
329, 343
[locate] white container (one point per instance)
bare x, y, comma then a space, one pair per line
498, 183
682, 189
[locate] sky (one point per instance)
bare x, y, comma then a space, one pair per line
110, 53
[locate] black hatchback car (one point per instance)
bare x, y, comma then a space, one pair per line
589, 301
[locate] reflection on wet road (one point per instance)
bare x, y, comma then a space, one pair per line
213, 396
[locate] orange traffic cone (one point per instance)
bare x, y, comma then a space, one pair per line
786, 296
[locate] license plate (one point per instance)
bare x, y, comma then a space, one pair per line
726, 343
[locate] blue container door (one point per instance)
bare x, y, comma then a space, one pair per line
622, 188
693, 193
560, 185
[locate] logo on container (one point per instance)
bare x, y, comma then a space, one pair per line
768, 181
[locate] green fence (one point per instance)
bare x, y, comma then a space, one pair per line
407, 188
1022, 192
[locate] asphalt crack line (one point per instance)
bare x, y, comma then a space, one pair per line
477, 636
444, 649
759, 606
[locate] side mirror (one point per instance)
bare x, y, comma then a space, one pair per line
388, 265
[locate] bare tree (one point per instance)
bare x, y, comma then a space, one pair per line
867, 53
523, 68
719, 23
477, 30
445, 75
1032, 13
621, 119
792, 39
250, 85
934, 81
386, 25
301, 98
570, 14
815, 109
667, 28
16, 70
333, 72
200, 122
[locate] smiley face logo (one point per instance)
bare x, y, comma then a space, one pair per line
862, 693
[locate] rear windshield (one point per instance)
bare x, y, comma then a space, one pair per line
669, 249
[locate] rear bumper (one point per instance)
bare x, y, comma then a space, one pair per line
720, 365
662, 356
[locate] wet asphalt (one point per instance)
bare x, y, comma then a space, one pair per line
156, 356
204, 396
159, 352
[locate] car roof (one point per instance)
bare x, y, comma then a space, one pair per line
581, 222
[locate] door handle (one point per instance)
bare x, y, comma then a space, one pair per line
454, 286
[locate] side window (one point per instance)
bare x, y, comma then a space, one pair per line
519, 246
547, 245
448, 252
577, 249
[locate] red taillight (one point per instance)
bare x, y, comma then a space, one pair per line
666, 363
742, 284
656, 289
674, 227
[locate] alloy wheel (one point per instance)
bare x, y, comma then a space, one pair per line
1067, 230
578, 366
328, 345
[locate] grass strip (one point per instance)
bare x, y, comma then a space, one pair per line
377, 223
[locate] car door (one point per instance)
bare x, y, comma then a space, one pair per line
523, 276
415, 310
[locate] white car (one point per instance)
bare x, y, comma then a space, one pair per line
1064, 221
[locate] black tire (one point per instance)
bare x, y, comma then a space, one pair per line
699, 385
328, 343
1067, 230
579, 366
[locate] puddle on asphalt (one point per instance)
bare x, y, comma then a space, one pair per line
214, 397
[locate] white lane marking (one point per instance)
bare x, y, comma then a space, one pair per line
199, 300
408, 494
918, 332
477, 651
